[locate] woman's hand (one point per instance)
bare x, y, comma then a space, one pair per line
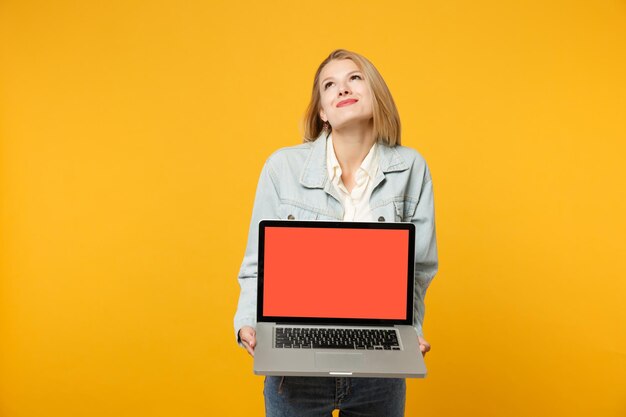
247, 335
424, 345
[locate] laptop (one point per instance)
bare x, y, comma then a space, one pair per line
336, 299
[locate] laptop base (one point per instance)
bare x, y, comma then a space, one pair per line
405, 363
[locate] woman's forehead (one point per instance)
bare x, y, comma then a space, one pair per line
338, 67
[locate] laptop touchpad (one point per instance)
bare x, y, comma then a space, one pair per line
338, 361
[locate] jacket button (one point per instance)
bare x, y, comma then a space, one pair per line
381, 219
290, 217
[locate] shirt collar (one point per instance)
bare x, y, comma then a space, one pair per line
315, 172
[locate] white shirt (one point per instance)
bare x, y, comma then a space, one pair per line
356, 203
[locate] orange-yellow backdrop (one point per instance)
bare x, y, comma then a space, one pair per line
132, 134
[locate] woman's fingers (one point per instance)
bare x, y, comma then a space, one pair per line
424, 345
248, 338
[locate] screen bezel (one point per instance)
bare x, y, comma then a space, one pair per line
410, 227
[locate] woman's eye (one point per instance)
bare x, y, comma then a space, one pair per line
356, 77
328, 84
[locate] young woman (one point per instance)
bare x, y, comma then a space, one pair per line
351, 167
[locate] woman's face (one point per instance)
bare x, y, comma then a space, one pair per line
345, 95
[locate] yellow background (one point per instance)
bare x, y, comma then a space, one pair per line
132, 135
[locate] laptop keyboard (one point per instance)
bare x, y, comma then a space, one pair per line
328, 338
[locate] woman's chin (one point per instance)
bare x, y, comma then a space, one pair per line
356, 124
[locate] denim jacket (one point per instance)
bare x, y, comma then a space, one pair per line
294, 184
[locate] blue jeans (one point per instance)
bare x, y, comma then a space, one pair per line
319, 396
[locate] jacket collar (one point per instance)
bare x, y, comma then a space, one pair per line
315, 174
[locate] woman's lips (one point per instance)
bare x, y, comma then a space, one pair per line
347, 102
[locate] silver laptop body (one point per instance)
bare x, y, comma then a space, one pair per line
308, 280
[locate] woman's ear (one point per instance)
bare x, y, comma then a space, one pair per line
323, 115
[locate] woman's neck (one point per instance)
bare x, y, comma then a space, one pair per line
351, 147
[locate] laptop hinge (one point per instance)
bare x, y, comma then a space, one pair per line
282, 323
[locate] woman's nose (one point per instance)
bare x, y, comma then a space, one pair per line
343, 91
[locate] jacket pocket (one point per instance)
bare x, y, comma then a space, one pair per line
293, 212
404, 209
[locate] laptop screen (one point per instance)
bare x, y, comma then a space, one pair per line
336, 272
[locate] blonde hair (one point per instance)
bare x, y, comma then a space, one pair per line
385, 113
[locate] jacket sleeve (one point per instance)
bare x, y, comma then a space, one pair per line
426, 260
266, 203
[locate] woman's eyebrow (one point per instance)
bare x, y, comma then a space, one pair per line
331, 77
